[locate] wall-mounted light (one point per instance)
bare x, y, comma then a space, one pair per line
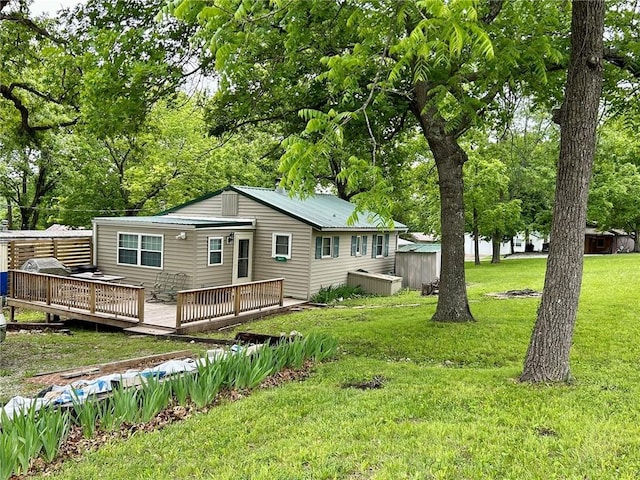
230, 238
181, 236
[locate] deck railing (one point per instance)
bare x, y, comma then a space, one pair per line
84, 296
214, 302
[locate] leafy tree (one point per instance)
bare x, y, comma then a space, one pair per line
614, 197
547, 358
39, 85
438, 66
490, 212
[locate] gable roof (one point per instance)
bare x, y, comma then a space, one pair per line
321, 211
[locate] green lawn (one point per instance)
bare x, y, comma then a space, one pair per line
450, 408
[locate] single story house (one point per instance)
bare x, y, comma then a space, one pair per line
241, 234
608, 241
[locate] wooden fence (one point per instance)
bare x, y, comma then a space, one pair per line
215, 302
70, 251
61, 295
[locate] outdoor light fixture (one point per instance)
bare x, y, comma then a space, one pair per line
181, 236
230, 238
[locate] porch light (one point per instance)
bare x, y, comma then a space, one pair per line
230, 238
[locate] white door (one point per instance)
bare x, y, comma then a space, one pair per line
242, 257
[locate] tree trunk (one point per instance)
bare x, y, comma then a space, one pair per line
496, 240
547, 358
452, 300
476, 238
636, 240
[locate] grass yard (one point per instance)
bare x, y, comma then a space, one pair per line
450, 406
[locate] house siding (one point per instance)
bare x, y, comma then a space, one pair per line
177, 255
333, 271
295, 270
212, 275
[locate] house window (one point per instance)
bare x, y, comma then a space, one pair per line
215, 251
378, 245
281, 245
327, 247
356, 246
141, 250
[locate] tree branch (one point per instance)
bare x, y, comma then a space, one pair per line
495, 7
30, 24
622, 61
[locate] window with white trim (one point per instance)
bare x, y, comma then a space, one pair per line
281, 245
326, 247
378, 245
139, 249
215, 250
356, 246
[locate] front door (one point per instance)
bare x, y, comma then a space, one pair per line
242, 254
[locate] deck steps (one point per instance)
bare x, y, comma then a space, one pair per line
149, 330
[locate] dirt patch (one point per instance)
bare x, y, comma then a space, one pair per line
526, 293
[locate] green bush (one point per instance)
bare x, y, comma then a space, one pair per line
338, 293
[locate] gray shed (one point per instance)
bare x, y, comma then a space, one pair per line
418, 264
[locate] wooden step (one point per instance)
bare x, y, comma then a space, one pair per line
149, 330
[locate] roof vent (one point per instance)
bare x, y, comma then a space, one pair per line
279, 188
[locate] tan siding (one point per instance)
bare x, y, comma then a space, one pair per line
333, 271
178, 255
295, 271
214, 275
210, 207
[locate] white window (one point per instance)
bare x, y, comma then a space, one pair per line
140, 250
356, 246
281, 245
215, 251
326, 247
378, 245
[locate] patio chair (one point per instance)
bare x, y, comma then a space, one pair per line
167, 286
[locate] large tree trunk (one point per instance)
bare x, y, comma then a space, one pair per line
547, 358
452, 300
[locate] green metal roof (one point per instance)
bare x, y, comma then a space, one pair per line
322, 211
420, 248
171, 220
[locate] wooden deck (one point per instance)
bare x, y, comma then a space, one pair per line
124, 306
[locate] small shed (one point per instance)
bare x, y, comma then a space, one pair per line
418, 264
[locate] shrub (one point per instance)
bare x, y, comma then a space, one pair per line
338, 293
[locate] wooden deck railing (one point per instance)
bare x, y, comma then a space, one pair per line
61, 294
214, 302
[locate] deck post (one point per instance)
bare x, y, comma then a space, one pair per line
141, 305
236, 300
92, 297
48, 280
179, 303
281, 283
